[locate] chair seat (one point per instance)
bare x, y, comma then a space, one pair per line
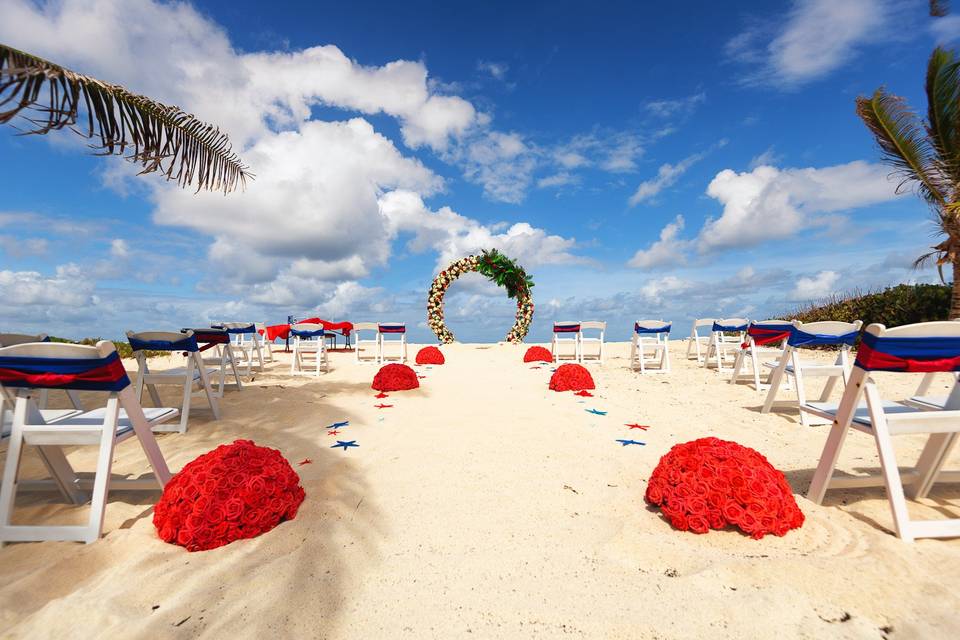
179, 372
861, 416
154, 415
49, 416
809, 368
928, 402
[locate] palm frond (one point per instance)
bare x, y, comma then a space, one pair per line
159, 137
943, 111
903, 143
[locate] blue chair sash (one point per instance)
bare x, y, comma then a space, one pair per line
912, 354
392, 328
315, 333
238, 330
800, 338
83, 374
664, 329
187, 343
732, 328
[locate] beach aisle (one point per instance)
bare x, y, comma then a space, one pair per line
483, 505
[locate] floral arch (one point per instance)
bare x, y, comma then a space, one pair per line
498, 268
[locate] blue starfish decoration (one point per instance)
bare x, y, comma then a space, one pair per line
596, 413
626, 442
346, 445
337, 425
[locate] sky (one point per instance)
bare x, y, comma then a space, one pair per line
640, 160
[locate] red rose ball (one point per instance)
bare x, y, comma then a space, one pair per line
571, 377
236, 491
712, 484
430, 355
537, 354
395, 377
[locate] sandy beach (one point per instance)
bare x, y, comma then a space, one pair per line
483, 505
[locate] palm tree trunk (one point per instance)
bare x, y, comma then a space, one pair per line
955, 301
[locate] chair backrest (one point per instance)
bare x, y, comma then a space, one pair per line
162, 341
391, 327
593, 324
923, 347
307, 330
703, 322
566, 326
769, 331
642, 327
54, 365
11, 339
237, 328
826, 332
208, 335
365, 326
730, 325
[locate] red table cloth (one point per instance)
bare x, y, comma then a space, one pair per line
282, 331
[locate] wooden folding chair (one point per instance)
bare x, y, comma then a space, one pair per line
397, 329
566, 332
804, 336
764, 338
923, 347
699, 343
366, 350
31, 367
194, 373
591, 347
726, 336
245, 342
650, 337
309, 341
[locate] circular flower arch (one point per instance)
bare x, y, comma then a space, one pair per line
498, 268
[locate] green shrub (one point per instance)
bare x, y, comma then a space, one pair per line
899, 305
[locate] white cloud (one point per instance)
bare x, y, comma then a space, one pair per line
769, 203
670, 249
815, 287
452, 235
561, 179
29, 288
817, 37
768, 158
497, 70
946, 30
119, 248
681, 106
668, 174
502, 163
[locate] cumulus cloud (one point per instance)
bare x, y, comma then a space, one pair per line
67, 287
767, 204
502, 163
815, 287
669, 250
817, 37
452, 235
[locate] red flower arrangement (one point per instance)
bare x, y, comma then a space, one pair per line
571, 377
395, 377
710, 484
538, 354
430, 355
236, 491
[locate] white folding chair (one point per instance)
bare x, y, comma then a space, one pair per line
764, 338
11, 339
398, 329
195, 373
366, 350
699, 342
650, 337
217, 343
726, 336
591, 347
266, 346
30, 367
245, 342
926, 347
565, 333
309, 341
806, 335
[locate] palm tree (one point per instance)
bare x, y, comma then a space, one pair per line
159, 137
926, 154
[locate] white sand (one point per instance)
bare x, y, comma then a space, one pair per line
484, 505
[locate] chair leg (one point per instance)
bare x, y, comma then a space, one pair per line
207, 389
930, 462
888, 465
101, 481
828, 461
187, 395
148, 441
775, 377
801, 390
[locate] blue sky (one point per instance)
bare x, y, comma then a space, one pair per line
683, 161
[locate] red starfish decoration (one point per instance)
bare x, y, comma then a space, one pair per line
381, 395
638, 426
333, 433
383, 406
306, 461
584, 393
